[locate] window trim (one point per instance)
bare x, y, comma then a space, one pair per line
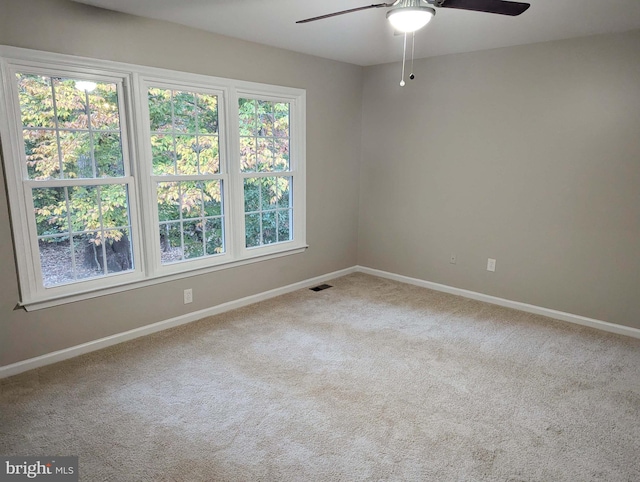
134, 128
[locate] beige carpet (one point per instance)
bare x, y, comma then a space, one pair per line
368, 380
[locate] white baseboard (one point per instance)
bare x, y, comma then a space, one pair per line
56, 356
60, 355
538, 310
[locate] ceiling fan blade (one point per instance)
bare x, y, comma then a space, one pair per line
490, 6
335, 14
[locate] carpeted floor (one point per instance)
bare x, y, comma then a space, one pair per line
368, 380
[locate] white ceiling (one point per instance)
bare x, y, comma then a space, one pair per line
365, 38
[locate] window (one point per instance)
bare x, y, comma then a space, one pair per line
75, 177
267, 179
75, 171
186, 173
121, 175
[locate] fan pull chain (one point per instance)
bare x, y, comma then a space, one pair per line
413, 49
404, 57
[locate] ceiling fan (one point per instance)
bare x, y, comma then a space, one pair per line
501, 7
408, 16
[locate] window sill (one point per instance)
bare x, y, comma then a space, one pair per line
48, 302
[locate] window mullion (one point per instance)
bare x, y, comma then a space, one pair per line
180, 219
236, 191
57, 129
74, 269
148, 206
195, 114
102, 233
83, 181
94, 168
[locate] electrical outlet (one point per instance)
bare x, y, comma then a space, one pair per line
452, 259
188, 296
491, 264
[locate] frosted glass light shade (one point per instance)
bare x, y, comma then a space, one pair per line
410, 19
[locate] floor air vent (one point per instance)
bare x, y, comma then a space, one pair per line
320, 287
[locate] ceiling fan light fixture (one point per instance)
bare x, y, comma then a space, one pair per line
410, 19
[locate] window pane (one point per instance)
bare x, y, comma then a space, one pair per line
108, 155
281, 112
284, 192
163, 153
265, 155
36, 101
268, 193
251, 195
284, 224
186, 155
265, 118
214, 236
191, 202
269, 228
247, 113
160, 115
119, 251
55, 261
281, 155
83, 203
170, 242
103, 107
184, 112
208, 155
114, 202
207, 106
89, 256
248, 156
252, 230
76, 154
168, 201
41, 149
193, 240
50, 208
212, 196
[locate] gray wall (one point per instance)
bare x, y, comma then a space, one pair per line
529, 154
333, 151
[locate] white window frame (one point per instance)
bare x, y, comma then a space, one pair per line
153, 252
296, 171
135, 132
25, 238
